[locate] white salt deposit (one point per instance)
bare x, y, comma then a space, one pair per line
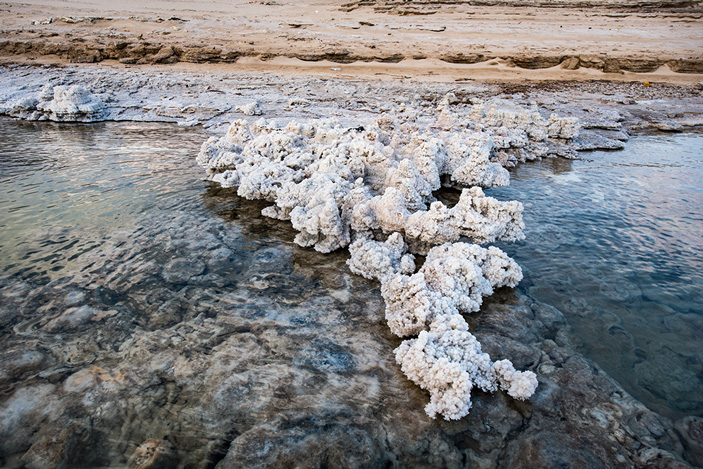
448, 362
371, 189
251, 109
60, 103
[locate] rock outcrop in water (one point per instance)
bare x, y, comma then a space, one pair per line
61, 104
446, 360
372, 186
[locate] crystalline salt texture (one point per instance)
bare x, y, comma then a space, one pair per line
371, 189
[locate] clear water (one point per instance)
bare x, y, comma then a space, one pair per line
615, 241
139, 302
96, 178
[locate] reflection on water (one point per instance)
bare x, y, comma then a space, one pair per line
614, 241
142, 305
94, 178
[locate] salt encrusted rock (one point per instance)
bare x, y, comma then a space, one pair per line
72, 103
529, 121
410, 183
410, 305
518, 384
465, 272
448, 362
480, 218
305, 166
61, 104
468, 161
454, 279
376, 260
566, 127
297, 101
339, 184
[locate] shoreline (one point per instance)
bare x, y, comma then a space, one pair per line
213, 96
425, 41
416, 70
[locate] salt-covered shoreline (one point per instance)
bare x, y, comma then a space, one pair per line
213, 101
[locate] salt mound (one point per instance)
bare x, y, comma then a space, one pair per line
371, 189
61, 104
331, 181
448, 362
251, 109
454, 279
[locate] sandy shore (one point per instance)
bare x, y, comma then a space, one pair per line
428, 41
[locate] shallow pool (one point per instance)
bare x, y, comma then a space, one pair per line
139, 302
615, 241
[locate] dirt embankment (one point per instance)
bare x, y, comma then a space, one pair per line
603, 35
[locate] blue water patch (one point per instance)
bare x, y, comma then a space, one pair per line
615, 241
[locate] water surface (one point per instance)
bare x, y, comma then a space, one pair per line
95, 178
138, 301
615, 241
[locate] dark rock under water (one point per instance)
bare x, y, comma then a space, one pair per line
265, 353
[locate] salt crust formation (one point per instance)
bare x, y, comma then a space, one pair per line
371, 189
251, 109
62, 104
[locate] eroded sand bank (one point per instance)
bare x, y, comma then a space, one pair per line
549, 40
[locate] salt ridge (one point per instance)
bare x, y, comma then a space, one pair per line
371, 189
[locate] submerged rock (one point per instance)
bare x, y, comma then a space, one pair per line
282, 373
691, 431
152, 454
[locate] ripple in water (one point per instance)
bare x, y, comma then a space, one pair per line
138, 301
614, 241
69, 185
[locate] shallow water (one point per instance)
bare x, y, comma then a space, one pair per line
95, 178
614, 241
142, 302
139, 301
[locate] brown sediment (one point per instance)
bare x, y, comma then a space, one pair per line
462, 58
397, 7
149, 53
449, 40
686, 66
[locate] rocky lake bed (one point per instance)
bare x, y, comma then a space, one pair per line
152, 316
